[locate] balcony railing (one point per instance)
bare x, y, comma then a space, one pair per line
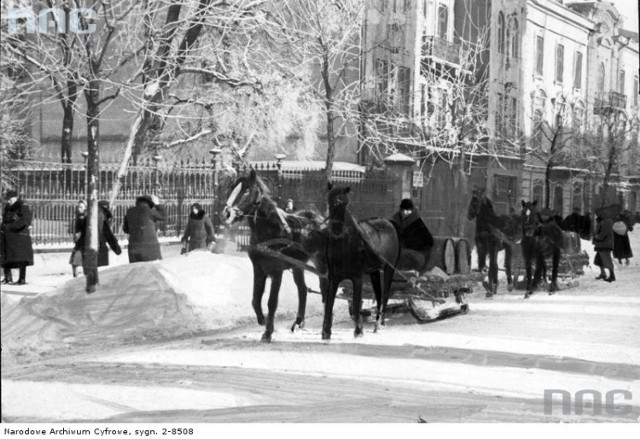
607, 102
434, 47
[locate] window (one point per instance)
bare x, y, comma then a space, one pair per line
621, 80
500, 115
539, 55
601, 78
578, 117
635, 91
500, 32
382, 76
404, 87
515, 39
443, 21
577, 71
559, 62
558, 200
537, 192
513, 116
425, 9
537, 133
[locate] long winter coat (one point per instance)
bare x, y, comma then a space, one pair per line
603, 239
140, 224
106, 237
413, 232
199, 232
15, 239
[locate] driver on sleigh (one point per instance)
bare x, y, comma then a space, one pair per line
415, 239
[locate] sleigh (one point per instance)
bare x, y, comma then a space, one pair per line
572, 262
437, 293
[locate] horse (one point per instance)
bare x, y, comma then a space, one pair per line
354, 248
539, 241
276, 244
494, 233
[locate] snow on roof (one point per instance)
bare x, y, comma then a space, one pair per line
399, 158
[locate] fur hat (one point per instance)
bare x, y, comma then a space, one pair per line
406, 204
10, 194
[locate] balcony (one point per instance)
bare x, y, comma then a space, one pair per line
606, 103
442, 50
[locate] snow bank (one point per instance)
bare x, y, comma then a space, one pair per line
177, 296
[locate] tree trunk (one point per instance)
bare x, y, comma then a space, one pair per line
67, 134
331, 141
90, 254
547, 183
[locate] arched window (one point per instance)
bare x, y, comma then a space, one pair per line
500, 32
621, 80
537, 193
578, 117
601, 78
515, 39
577, 195
558, 200
443, 21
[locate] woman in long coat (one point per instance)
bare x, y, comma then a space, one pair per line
199, 232
140, 223
603, 244
15, 239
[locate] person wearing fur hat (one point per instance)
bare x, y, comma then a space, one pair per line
16, 249
140, 223
199, 231
415, 238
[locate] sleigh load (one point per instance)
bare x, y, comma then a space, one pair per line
439, 291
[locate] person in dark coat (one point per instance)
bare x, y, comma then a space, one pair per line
199, 231
16, 249
140, 223
289, 206
106, 238
621, 244
603, 244
415, 238
572, 223
77, 229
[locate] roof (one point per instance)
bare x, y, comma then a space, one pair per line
629, 34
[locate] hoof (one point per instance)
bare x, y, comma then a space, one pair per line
357, 333
266, 338
326, 335
297, 326
261, 320
510, 287
488, 296
526, 296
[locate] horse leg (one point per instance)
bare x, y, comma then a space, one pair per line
259, 281
541, 268
357, 305
276, 281
298, 278
388, 273
493, 272
554, 272
376, 283
527, 264
507, 266
482, 254
328, 308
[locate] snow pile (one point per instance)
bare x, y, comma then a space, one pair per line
178, 296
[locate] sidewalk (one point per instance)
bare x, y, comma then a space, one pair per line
51, 268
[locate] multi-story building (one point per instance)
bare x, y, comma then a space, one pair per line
562, 85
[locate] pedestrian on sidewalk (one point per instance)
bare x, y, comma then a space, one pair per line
77, 229
603, 243
140, 223
621, 245
199, 231
16, 249
107, 238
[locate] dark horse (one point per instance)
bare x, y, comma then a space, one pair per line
354, 248
493, 234
539, 241
276, 244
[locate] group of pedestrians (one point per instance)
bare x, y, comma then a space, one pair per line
611, 239
140, 223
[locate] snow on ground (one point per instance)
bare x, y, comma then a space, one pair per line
177, 296
493, 363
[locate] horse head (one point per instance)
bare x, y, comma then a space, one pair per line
245, 197
338, 199
529, 218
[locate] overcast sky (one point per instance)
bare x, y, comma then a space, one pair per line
629, 10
